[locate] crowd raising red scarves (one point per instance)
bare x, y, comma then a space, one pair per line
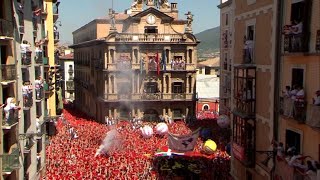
72, 156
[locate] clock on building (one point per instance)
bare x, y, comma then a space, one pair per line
151, 19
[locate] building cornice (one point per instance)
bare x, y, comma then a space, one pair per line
228, 3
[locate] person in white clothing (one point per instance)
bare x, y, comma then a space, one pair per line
316, 99
25, 47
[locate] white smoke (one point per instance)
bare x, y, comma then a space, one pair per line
109, 143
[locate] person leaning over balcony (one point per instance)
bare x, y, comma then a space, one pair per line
296, 30
25, 92
311, 171
38, 83
24, 48
300, 94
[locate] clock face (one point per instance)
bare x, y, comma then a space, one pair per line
151, 19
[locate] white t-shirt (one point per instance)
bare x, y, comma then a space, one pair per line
317, 100
298, 27
24, 48
312, 175
25, 90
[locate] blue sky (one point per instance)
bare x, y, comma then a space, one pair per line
76, 13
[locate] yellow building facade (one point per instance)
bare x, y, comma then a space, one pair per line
247, 83
300, 66
138, 63
25, 41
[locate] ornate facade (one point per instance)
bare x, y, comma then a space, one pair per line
138, 63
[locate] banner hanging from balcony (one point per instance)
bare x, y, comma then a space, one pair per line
183, 143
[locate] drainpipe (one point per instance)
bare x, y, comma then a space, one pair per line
277, 75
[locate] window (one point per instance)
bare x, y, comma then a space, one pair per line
177, 113
206, 107
151, 30
177, 87
151, 87
200, 70
297, 77
293, 139
3, 54
207, 70
227, 19
250, 33
297, 10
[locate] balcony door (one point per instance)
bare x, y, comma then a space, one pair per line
151, 87
177, 88
297, 77
293, 139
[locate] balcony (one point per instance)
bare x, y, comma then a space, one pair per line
55, 11
70, 85
29, 144
6, 29
244, 155
288, 170
10, 119
296, 43
124, 65
171, 38
10, 162
56, 36
27, 100
45, 60
26, 58
38, 59
39, 93
248, 52
313, 116
151, 96
293, 109
8, 72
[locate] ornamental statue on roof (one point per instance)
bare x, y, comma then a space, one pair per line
138, 4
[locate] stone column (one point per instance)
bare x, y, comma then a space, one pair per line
164, 84
170, 113
110, 113
115, 84
132, 82
138, 83
115, 113
170, 92
192, 83
163, 111
187, 83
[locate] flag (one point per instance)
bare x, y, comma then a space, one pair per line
183, 143
163, 61
158, 63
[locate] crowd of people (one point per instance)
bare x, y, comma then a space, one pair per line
71, 152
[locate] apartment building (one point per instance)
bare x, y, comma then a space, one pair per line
141, 62
24, 41
226, 17
248, 42
299, 119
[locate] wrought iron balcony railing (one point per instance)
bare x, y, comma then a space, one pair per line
124, 37
8, 72
28, 100
10, 118
293, 109
26, 58
313, 116
39, 93
6, 28
38, 59
296, 43
10, 162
